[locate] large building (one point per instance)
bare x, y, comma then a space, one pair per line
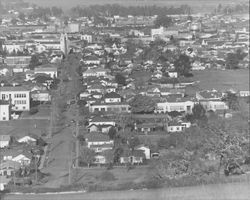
18, 96
4, 110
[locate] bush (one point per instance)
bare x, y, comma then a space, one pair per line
107, 176
33, 111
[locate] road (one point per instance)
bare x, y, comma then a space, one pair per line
231, 191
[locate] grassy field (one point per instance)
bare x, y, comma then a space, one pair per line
231, 191
221, 80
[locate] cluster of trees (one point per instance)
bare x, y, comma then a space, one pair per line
42, 13
233, 59
142, 104
116, 9
233, 8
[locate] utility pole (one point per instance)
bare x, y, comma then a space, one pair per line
77, 140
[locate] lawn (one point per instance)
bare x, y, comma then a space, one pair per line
121, 174
220, 80
230, 191
22, 127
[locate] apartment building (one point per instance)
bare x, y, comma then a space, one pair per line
18, 96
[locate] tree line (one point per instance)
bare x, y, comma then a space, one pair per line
110, 10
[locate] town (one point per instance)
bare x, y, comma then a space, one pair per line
106, 99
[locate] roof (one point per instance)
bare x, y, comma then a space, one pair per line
136, 153
13, 88
4, 137
45, 69
102, 146
210, 94
101, 119
10, 164
97, 137
112, 95
174, 123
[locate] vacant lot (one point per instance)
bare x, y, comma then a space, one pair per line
221, 80
239, 191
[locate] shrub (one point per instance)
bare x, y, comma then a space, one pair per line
107, 176
33, 111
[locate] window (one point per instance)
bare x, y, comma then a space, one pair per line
124, 109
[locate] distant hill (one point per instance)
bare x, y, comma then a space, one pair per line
66, 4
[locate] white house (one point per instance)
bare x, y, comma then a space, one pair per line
4, 141
97, 139
51, 71
26, 139
175, 126
18, 95
86, 37
102, 121
4, 110
145, 149
175, 104
22, 159
97, 72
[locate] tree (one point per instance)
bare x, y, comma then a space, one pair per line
21, 16
232, 61
112, 133
142, 104
120, 79
87, 156
183, 65
199, 113
34, 62
232, 100
57, 12
133, 142
13, 21
163, 20
109, 156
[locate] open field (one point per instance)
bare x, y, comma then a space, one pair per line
221, 80
65, 4
231, 191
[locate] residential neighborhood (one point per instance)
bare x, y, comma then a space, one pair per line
98, 91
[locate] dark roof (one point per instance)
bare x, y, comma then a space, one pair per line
112, 95
96, 137
136, 153
12, 88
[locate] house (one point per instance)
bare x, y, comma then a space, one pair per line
27, 139
112, 97
97, 72
8, 167
4, 110
99, 128
40, 95
51, 71
18, 95
149, 127
211, 100
4, 141
132, 157
145, 149
244, 93
102, 121
18, 155
100, 159
172, 74
91, 60
97, 139
173, 103
18, 61
110, 107
175, 126
86, 37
